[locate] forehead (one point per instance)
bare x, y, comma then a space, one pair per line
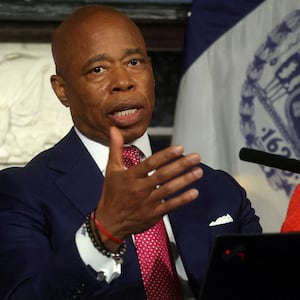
106, 27
110, 42
97, 32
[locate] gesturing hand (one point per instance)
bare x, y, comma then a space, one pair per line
131, 200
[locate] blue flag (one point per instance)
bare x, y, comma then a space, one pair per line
209, 20
240, 87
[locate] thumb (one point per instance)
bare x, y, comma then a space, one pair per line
115, 148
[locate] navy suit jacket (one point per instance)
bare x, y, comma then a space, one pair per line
43, 205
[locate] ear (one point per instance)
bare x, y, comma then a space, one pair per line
58, 86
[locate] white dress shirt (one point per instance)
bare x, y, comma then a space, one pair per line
106, 266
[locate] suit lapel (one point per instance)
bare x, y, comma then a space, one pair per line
191, 239
79, 179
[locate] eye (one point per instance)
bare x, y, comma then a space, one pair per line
134, 62
98, 69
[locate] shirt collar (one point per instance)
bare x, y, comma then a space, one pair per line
100, 152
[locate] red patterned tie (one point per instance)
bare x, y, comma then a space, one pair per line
154, 253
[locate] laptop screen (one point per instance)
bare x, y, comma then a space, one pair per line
242, 267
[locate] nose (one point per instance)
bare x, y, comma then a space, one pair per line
121, 80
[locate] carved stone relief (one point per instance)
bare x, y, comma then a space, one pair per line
28, 106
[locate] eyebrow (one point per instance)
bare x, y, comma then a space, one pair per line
94, 59
133, 51
105, 57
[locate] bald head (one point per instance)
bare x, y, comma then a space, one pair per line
103, 73
83, 24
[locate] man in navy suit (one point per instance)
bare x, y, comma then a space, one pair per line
68, 218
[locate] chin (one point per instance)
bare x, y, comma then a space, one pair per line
131, 135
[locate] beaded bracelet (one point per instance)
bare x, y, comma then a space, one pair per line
117, 256
100, 227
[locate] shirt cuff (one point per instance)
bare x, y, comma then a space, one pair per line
91, 256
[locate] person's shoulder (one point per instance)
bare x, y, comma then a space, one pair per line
217, 176
213, 171
41, 160
59, 151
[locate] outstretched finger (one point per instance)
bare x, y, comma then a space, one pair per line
178, 201
159, 159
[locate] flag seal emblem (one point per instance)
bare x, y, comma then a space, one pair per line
272, 87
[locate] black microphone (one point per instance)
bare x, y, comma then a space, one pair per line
270, 160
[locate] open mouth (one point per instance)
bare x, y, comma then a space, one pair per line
125, 113
125, 117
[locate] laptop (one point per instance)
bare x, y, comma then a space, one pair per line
253, 267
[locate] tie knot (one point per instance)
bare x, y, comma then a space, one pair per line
131, 156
